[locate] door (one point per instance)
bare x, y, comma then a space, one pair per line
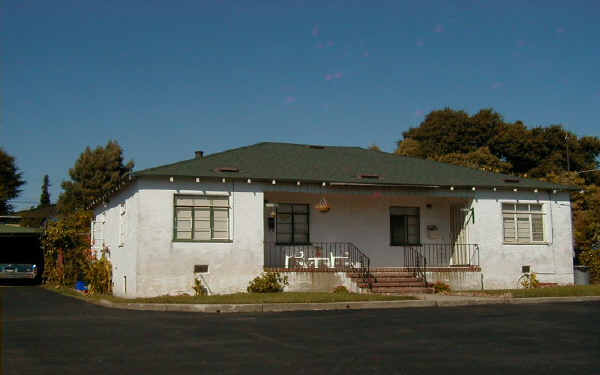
459, 234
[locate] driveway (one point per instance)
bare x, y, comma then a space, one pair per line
46, 333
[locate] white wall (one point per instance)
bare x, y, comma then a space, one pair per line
167, 267
501, 263
123, 257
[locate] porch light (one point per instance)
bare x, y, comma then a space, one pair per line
197, 179
535, 190
515, 190
298, 183
323, 184
473, 188
170, 179
249, 181
494, 189
451, 188
273, 182
581, 191
223, 180
554, 191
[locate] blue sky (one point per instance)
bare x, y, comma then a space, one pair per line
167, 78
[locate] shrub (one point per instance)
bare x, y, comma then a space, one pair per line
268, 282
341, 289
199, 289
100, 274
591, 258
441, 287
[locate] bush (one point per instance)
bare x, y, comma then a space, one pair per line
199, 289
341, 289
269, 282
100, 274
441, 287
591, 258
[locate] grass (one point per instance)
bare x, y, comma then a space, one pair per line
242, 298
557, 291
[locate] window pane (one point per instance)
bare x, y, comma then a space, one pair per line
284, 237
300, 218
202, 213
201, 201
184, 235
300, 228
509, 228
284, 218
220, 226
522, 207
536, 207
537, 222
184, 201
284, 208
224, 235
300, 208
202, 235
398, 229
508, 207
523, 228
220, 214
220, 201
183, 213
300, 238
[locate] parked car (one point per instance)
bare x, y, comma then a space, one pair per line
18, 271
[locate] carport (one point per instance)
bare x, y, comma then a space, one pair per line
21, 245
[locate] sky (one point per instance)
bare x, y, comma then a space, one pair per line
167, 78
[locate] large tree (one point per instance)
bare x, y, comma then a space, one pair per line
10, 181
96, 172
45, 196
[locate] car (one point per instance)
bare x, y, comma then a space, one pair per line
18, 271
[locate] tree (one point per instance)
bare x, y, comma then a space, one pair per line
45, 197
10, 181
481, 159
374, 147
95, 173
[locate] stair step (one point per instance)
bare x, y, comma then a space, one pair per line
396, 290
388, 279
406, 284
383, 274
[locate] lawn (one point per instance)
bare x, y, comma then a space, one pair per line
558, 291
242, 298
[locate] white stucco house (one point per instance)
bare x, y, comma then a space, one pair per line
328, 216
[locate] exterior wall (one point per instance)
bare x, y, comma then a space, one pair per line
501, 263
167, 267
364, 220
319, 282
123, 258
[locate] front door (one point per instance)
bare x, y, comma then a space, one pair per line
459, 234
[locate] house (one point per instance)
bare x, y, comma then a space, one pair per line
328, 216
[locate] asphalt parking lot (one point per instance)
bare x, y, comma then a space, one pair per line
46, 333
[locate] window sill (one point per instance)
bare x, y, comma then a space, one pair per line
205, 241
526, 243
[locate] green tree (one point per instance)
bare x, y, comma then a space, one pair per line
10, 181
45, 197
481, 159
95, 172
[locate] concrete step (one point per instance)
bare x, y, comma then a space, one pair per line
403, 290
388, 279
383, 274
406, 284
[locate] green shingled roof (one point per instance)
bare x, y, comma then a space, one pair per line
333, 164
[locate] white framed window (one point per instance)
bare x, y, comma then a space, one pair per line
405, 228
122, 224
523, 222
201, 218
97, 233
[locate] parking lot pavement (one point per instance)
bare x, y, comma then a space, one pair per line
46, 333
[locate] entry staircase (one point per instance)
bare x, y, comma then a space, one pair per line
391, 281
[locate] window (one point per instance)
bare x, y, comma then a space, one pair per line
122, 224
292, 224
404, 226
523, 222
97, 232
201, 218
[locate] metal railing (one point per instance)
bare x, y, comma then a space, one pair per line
448, 255
415, 262
324, 256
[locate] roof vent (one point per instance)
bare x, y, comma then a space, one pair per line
317, 147
512, 180
199, 154
227, 169
370, 176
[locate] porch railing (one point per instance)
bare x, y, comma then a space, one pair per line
324, 256
448, 255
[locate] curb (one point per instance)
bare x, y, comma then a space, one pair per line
282, 307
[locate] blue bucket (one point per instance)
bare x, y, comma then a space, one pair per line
81, 286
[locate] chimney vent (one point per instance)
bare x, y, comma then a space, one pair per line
199, 154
